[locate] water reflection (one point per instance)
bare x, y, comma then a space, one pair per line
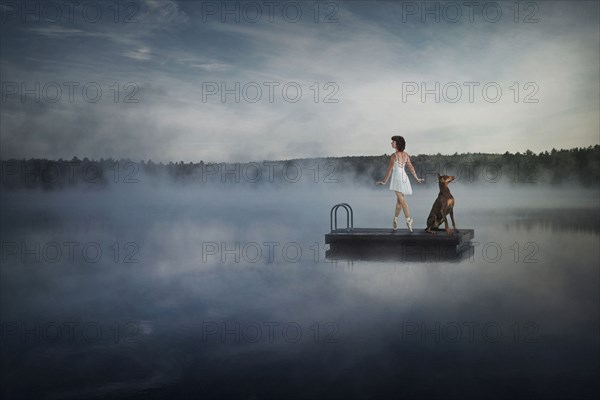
556, 220
185, 321
411, 254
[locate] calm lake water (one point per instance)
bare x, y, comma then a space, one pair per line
226, 293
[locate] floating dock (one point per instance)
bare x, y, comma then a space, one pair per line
389, 244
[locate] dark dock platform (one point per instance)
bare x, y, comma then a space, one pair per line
400, 244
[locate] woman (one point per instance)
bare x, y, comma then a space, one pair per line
400, 183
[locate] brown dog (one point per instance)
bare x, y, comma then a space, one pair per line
443, 205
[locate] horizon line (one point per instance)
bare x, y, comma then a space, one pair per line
590, 147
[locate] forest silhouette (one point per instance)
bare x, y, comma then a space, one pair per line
576, 166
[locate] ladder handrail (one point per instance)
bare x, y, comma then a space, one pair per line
349, 216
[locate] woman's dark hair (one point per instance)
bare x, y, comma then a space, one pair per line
400, 142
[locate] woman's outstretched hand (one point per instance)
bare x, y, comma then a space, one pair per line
380, 183
419, 180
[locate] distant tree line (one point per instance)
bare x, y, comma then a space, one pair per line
579, 166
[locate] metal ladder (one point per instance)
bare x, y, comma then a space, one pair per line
349, 217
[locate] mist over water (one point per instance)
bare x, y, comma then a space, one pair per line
149, 291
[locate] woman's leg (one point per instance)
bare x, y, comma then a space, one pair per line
401, 201
398, 206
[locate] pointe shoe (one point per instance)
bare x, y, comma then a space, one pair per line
395, 223
409, 222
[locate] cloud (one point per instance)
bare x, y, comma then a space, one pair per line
57, 31
362, 61
165, 12
211, 66
139, 54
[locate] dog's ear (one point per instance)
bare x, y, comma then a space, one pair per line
438, 176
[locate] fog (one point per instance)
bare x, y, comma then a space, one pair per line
162, 234
183, 310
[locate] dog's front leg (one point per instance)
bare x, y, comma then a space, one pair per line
452, 218
445, 219
448, 231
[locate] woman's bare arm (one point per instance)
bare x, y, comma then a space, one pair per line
389, 171
412, 169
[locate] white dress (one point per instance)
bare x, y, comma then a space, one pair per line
399, 180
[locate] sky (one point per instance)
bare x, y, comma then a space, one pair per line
239, 81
